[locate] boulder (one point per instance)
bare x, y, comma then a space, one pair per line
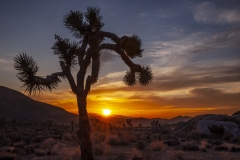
229, 127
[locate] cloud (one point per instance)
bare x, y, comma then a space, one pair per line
207, 12
143, 15
180, 78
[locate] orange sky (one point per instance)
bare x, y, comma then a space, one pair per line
128, 101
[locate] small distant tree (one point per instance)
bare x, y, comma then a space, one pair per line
140, 125
156, 126
124, 126
129, 123
87, 29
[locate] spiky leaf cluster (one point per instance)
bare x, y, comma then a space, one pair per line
83, 24
74, 22
93, 18
27, 69
129, 78
145, 75
66, 50
132, 46
25, 65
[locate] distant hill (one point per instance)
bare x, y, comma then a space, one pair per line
14, 104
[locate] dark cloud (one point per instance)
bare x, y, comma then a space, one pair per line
184, 77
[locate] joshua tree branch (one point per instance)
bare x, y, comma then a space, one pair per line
134, 67
67, 72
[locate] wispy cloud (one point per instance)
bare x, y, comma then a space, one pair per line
207, 12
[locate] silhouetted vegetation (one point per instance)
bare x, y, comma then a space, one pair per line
87, 29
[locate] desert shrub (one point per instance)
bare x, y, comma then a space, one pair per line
221, 148
29, 149
189, 146
227, 136
177, 155
98, 138
40, 152
39, 138
48, 143
7, 156
145, 136
217, 130
157, 145
20, 144
98, 149
130, 138
137, 157
114, 140
120, 157
169, 136
235, 149
215, 142
58, 148
140, 145
165, 131
203, 146
193, 135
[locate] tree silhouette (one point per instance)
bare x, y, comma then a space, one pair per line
129, 123
87, 29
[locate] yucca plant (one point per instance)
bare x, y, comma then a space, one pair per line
87, 29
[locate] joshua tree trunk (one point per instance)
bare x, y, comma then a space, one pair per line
84, 130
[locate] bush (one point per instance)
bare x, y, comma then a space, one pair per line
217, 130
48, 143
20, 144
40, 152
157, 145
227, 136
189, 147
235, 149
137, 157
140, 145
98, 149
193, 135
114, 140
7, 156
221, 148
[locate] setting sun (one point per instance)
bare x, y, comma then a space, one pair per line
106, 112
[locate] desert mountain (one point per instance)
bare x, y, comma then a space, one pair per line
14, 104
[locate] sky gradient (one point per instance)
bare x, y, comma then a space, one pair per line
193, 48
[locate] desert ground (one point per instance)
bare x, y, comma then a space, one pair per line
48, 140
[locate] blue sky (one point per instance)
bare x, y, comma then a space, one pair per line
193, 48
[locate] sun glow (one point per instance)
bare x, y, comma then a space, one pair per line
106, 112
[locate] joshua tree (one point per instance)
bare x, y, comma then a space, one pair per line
156, 126
87, 29
124, 126
129, 121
